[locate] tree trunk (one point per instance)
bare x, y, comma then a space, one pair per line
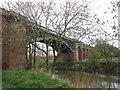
47, 57
30, 58
34, 59
54, 61
27, 61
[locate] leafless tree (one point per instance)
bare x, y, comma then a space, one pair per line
69, 19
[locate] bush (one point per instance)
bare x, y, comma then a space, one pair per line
94, 54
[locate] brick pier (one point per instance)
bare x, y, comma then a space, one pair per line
80, 53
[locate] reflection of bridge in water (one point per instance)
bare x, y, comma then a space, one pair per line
14, 42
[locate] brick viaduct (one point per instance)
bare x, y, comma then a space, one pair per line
14, 44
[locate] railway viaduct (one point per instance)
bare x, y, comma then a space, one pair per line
14, 31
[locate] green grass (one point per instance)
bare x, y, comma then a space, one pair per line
30, 79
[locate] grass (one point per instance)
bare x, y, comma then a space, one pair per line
30, 79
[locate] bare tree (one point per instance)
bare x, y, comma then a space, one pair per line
71, 19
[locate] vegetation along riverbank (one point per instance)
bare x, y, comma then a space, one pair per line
94, 66
30, 79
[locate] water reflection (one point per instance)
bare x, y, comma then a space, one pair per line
86, 80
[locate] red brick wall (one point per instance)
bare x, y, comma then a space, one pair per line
13, 43
65, 57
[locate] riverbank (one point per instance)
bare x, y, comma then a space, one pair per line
98, 66
30, 79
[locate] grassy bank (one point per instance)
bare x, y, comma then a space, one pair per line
30, 79
95, 66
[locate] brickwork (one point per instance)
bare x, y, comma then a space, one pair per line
65, 57
13, 43
80, 53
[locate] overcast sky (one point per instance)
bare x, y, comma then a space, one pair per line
97, 6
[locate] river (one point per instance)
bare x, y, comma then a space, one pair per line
87, 80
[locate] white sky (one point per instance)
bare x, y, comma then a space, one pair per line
98, 6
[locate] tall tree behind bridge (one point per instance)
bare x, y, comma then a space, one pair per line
68, 20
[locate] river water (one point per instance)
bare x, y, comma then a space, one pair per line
87, 80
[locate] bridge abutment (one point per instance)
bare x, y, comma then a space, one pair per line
13, 42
